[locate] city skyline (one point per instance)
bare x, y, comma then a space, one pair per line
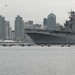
21, 26
35, 10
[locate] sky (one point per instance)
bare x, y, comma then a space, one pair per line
36, 10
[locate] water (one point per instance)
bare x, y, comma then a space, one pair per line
36, 60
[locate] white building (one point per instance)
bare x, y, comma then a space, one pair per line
29, 25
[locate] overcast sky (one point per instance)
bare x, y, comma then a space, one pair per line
36, 10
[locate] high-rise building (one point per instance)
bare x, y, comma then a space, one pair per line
19, 28
45, 23
8, 30
51, 22
9, 33
2, 28
13, 34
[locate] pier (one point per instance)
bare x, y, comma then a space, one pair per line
14, 44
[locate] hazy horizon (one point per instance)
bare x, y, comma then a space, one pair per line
36, 10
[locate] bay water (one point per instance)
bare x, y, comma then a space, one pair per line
37, 60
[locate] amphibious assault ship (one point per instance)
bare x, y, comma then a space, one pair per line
63, 36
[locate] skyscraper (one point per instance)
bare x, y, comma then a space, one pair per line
2, 28
19, 29
45, 23
51, 22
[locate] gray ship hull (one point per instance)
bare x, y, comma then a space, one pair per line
52, 37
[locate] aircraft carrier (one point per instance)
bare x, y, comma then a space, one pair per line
63, 36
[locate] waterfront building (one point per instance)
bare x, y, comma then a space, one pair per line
19, 29
13, 35
37, 26
8, 30
30, 22
51, 22
45, 23
28, 25
58, 27
2, 28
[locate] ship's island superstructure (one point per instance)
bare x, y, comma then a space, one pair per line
64, 36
